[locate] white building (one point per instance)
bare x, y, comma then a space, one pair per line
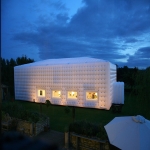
82, 82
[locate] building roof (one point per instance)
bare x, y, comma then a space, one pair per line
61, 61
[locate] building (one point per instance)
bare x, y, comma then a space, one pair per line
82, 82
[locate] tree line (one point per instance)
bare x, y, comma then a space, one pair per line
137, 89
128, 76
7, 70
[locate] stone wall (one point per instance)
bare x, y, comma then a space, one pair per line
39, 126
25, 127
83, 143
32, 129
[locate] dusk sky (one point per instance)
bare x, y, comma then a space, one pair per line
113, 30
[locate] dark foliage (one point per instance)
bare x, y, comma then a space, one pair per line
137, 84
127, 75
88, 129
18, 111
48, 103
7, 70
141, 92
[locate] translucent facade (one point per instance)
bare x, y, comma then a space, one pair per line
82, 82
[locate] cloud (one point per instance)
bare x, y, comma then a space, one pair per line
131, 40
141, 57
93, 31
59, 5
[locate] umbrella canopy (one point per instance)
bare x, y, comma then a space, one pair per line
129, 133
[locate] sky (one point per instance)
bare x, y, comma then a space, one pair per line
114, 30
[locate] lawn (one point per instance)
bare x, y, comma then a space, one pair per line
59, 120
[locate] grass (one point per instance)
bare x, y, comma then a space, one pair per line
59, 120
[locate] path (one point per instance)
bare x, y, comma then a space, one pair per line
53, 137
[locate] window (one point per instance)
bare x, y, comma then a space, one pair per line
41, 93
72, 94
56, 94
91, 96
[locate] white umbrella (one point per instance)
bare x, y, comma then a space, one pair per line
129, 133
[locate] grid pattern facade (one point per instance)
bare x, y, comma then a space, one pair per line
97, 76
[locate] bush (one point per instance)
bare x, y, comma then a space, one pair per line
48, 103
18, 111
88, 129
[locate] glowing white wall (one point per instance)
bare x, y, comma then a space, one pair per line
118, 93
95, 76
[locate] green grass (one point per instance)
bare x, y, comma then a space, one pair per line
59, 120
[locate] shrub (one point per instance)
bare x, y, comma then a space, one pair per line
48, 103
88, 129
18, 111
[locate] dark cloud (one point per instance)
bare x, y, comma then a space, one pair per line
131, 40
143, 53
92, 31
141, 57
113, 18
59, 5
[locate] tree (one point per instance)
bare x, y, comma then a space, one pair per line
23, 60
7, 70
48, 103
12, 62
128, 76
67, 111
141, 92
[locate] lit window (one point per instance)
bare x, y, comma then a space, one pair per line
56, 94
91, 96
72, 94
41, 93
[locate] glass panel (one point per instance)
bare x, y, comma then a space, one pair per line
91, 96
72, 94
56, 94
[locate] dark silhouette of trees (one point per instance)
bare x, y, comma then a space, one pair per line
23, 60
141, 92
127, 75
7, 70
137, 84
